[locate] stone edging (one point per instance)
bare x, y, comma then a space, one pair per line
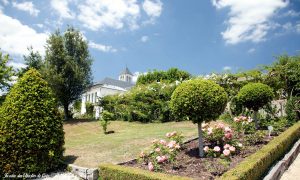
83, 172
279, 168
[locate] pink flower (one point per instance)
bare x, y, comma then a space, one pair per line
228, 135
206, 148
157, 150
173, 133
232, 148
227, 146
177, 146
161, 159
220, 126
171, 144
163, 142
209, 131
244, 118
217, 149
226, 152
150, 166
227, 129
236, 119
168, 135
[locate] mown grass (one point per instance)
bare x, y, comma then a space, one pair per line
86, 145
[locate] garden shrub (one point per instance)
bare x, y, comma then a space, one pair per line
117, 172
104, 121
256, 165
198, 100
293, 109
31, 131
254, 96
89, 109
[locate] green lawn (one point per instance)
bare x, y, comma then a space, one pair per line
87, 146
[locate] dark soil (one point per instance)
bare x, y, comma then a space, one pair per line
189, 164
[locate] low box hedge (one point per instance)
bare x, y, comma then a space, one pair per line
256, 165
117, 172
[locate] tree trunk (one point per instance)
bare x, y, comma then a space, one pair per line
255, 119
200, 139
66, 112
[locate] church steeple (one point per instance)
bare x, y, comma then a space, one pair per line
126, 75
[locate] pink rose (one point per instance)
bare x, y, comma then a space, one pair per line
220, 125
232, 148
157, 150
150, 166
227, 129
209, 131
226, 152
171, 144
227, 146
217, 149
206, 148
244, 118
163, 142
161, 159
228, 135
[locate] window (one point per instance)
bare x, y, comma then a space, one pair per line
92, 97
96, 99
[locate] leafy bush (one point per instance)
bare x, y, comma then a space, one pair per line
278, 124
89, 110
255, 166
31, 131
243, 125
293, 109
162, 151
256, 137
105, 117
117, 172
254, 96
198, 100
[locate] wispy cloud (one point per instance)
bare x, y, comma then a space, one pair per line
291, 13
17, 65
227, 68
144, 38
62, 9
101, 47
248, 20
251, 50
27, 6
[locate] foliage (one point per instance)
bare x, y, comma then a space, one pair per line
105, 118
169, 76
278, 124
6, 72
254, 138
67, 66
243, 125
162, 151
116, 172
198, 100
255, 95
32, 60
293, 109
77, 105
222, 141
144, 103
89, 109
31, 132
257, 164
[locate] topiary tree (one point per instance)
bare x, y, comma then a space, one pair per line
198, 100
254, 96
31, 131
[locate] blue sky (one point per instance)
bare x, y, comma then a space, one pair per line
197, 36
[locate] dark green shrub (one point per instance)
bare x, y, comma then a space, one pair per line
31, 131
255, 137
89, 109
104, 121
257, 164
293, 109
117, 172
254, 96
198, 100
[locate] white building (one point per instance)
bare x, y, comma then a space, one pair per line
107, 86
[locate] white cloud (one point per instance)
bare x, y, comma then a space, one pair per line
39, 25
152, 8
248, 20
62, 8
5, 2
27, 6
102, 47
144, 38
291, 13
101, 14
227, 68
252, 50
17, 65
16, 37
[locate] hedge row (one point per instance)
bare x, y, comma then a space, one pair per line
116, 172
256, 165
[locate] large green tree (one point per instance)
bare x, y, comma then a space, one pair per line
67, 66
6, 71
32, 60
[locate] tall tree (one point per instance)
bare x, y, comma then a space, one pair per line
6, 72
67, 66
32, 60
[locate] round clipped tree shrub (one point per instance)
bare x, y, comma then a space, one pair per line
31, 131
254, 96
198, 100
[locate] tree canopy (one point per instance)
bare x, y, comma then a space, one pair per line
6, 71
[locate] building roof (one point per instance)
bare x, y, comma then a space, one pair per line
114, 82
126, 71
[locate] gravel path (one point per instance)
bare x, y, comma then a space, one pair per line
293, 172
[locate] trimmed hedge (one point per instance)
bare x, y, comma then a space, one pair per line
256, 165
116, 172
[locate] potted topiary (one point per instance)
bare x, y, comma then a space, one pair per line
198, 100
254, 96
